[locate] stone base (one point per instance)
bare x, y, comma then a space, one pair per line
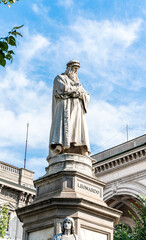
68, 190
69, 161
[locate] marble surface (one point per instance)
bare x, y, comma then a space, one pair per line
44, 234
69, 161
92, 235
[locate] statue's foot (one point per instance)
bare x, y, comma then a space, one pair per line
58, 149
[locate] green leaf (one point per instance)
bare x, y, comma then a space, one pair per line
13, 32
16, 33
11, 40
2, 61
2, 55
4, 220
3, 46
9, 57
18, 27
11, 52
1, 43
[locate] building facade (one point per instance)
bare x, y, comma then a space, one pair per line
16, 190
123, 169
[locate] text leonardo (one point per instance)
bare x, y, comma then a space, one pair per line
90, 189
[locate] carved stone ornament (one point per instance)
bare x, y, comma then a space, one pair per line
9, 195
68, 230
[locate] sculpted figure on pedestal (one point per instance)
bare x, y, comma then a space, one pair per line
67, 230
69, 132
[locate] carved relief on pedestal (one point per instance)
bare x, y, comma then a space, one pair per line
68, 230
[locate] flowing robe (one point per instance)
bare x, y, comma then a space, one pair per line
68, 120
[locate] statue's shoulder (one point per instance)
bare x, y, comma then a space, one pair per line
57, 236
62, 77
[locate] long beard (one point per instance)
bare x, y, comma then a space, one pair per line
73, 76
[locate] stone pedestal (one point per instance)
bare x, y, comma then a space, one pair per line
69, 188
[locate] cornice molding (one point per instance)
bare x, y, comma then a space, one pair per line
121, 161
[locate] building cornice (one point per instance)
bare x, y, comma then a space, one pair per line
113, 163
17, 187
120, 149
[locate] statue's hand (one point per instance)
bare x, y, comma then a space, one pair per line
77, 84
81, 95
74, 94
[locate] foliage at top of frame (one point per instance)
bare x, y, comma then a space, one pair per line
8, 2
6, 43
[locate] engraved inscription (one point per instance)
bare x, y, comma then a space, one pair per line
90, 189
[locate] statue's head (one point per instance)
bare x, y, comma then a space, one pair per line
71, 69
68, 224
73, 64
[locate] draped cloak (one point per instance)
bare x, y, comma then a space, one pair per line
68, 120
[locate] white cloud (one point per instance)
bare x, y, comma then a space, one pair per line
66, 3
107, 123
42, 11
106, 32
33, 48
11, 157
38, 166
104, 48
21, 105
35, 8
25, 100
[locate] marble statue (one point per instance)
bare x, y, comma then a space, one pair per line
67, 230
69, 132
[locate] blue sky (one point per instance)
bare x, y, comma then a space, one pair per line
108, 37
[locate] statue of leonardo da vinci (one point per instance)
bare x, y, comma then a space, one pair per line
69, 132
